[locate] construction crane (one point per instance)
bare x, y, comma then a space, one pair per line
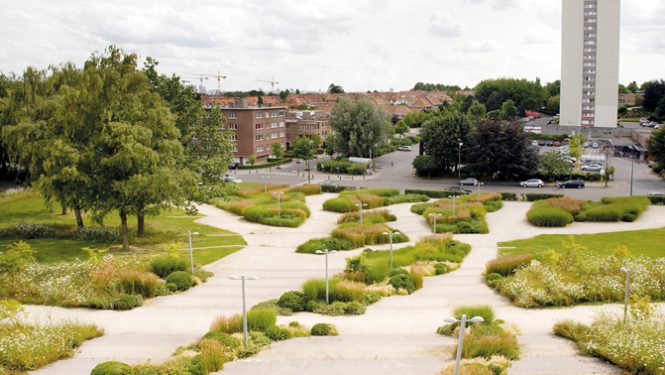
203, 77
272, 83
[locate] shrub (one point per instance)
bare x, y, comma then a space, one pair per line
486, 312
441, 268
112, 368
336, 308
261, 319
506, 265
509, 196
405, 198
532, 197
122, 301
164, 266
493, 278
230, 324
323, 329
213, 355
369, 217
382, 192
429, 193
293, 300
277, 333
549, 217
330, 243
134, 282
603, 213
402, 280
182, 280
447, 329
339, 205
307, 189
354, 308
502, 343
224, 338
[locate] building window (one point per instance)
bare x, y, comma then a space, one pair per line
259, 137
234, 137
282, 124
235, 148
259, 115
281, 113
232, 115
258, 126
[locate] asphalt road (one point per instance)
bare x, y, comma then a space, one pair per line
395, 170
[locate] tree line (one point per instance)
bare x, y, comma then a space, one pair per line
110, 137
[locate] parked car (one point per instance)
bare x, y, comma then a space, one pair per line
229, 178
595, 145
534, 143
557, 144
533, 182
470, 181
404, 148
592, 168
457, 190
571, 184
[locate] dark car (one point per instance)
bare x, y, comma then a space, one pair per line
456, 190
571, 184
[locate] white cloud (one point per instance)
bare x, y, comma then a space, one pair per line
445, 25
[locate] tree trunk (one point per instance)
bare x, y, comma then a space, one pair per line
79, 218
140, 218
124, 232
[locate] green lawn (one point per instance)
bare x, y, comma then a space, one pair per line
170, 226
640, 242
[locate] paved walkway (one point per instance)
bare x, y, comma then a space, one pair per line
395, 336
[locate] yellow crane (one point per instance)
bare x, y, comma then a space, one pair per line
272, 83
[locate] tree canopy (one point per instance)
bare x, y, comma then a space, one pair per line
358, 126
526, 95
435, 87
335, 89
441, 137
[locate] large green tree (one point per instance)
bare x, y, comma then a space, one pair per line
654, 92
656, 146
552, 164
358, 126
527, 95
501, 151
441, 137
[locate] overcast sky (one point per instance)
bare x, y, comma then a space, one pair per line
307, 44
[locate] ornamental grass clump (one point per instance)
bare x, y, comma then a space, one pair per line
507, 265
467, 216
369, 217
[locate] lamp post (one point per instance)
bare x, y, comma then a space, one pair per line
460, 341
391, 245
361, 205
265, 183
279, 205
632, 167
459, 164
434, 216
478, 185
191, 251
326, 252
626, 293
242, 278
454, 205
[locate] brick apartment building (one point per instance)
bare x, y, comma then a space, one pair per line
255, 129
306, 124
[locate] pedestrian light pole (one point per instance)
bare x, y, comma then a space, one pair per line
191, 251
242, 278
459, 164
390, 234
361, 206
434, 216
326, 252
279, 206
265, 183
454, 205
626, 293
478, 186
632, 168
460, 341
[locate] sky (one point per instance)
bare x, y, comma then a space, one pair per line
308, 44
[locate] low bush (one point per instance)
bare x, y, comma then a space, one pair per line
117, 301
143, 283
293, 300
532, 197
447, 329
166, 265
307, 189
112, 368
182, 280
277, 333
509, 196
224, 338
486, 312
405, 198
334, 188
506, 265
369, 217
402, 280
502, 343
549, 217
336, 308
323, 329
493, 278
367, 234
343, 166
657, 199
268, 164
339, 205
227, 324
354, 308
429, 193
382, 192
329, 243
261, 319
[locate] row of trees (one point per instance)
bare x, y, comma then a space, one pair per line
111, 137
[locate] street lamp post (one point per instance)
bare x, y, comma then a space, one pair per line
459, 164
454, 204
242, 278
434, 216
191, 251
391, 245
265, 183
626, 293
632, 167
478, 186
326, 252
279, 206
361, 205
460, 341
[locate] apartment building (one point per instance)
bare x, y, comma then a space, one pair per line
255, 129
306, 124
590, 64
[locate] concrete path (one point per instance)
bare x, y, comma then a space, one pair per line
395, 336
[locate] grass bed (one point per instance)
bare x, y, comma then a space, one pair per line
348, 200
559, 212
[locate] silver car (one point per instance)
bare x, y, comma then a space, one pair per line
532, 183
592, 168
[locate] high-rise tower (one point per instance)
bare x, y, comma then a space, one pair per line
590, 63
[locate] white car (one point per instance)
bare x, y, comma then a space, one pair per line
229, 178
404, 148
533, 182
592, 168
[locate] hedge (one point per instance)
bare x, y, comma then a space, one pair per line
549, 217
657, 199
268, 164
429, 193
344, 165
509, 196
532, 197
331, 188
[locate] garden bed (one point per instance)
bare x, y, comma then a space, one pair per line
348, 200
468, 215
559, 212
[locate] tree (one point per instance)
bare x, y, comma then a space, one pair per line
476, 111
553, 104
526, 95
401, 128
284, 94
358, 125
552, 164
508, 110
330, 146
659, 113
335, 89
316, 141
654, 91
252, 159
467, 102
622, 110
277, 150
633, 87
304, 149
576, 144
435, 87
623, 89
501, 150
553, 88
656, 146
441, 137
425, 165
